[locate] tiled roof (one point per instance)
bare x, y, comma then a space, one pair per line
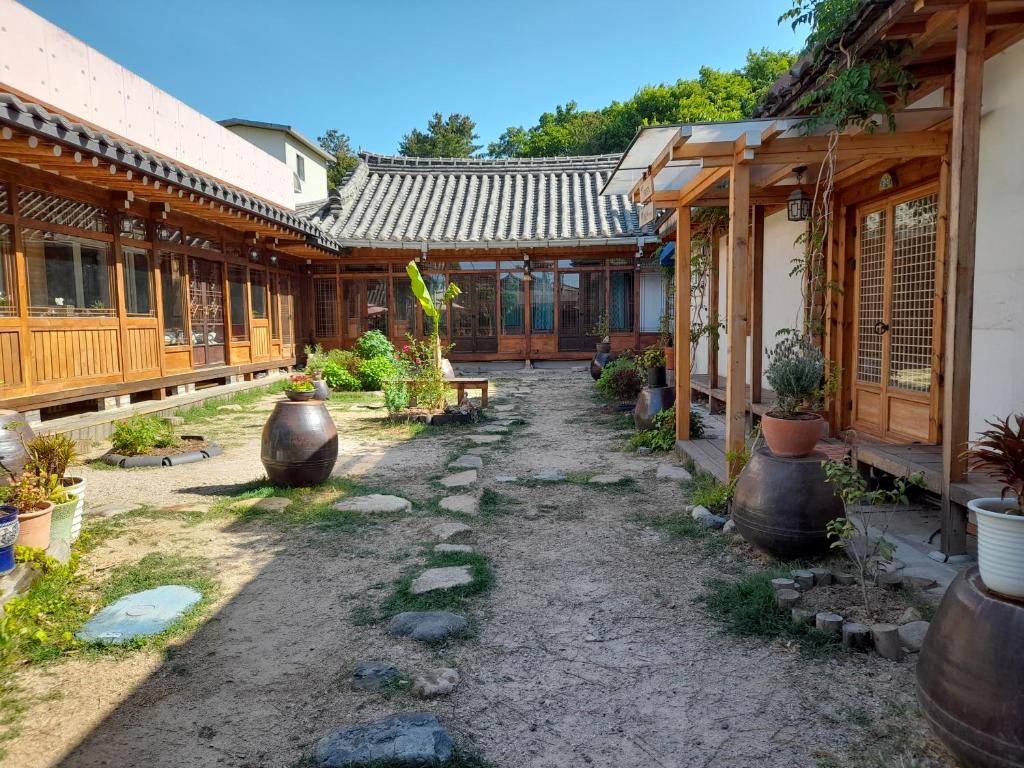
475, 202
34, 119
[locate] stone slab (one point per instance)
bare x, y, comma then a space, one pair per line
492, 429
441, 578
463, 504
549, 475
912, 635
267, 504
435, 682
467, 461
478, 451
673, 472
400, 740
446, 531
451, 548
140, 614
505, 479
459, 479
375, 503
374, 675
427, 626
484, 439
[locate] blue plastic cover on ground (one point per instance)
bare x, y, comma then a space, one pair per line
139, 615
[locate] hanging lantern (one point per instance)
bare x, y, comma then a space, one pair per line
798, 207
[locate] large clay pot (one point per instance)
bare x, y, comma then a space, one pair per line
15, 434
34, 527
782, 505
792, 438
650, 402
1000, 545
300, 443
602, 357
969, 675
656, 376
8, 535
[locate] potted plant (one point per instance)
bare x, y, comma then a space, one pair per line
653, 360
50, 456
8, 536
796, 371
999, 451
603, 349
665, 339
29, 494
300, 388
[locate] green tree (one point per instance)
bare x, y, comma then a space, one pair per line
345, 160
712, 95
445, 137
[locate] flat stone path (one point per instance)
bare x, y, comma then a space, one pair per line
463, 504
459, 479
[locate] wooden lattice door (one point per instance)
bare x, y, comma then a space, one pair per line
580, 307
896, 377
206, 312
475, 314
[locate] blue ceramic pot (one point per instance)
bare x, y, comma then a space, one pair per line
8, 535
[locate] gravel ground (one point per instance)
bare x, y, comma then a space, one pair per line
590, 649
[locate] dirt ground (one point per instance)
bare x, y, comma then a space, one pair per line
590, 649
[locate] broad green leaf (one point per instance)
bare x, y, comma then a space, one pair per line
420, 291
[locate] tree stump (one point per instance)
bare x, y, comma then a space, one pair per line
844, 578
804, 579
780, 584
887, 641
829, 622
857, 636
801, 616
822, 576
890, 581
786, 599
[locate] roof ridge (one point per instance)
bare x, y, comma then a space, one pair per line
489, 163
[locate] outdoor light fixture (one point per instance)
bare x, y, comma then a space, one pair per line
798, 207
254, 254
273, 259
163, 232
127, 225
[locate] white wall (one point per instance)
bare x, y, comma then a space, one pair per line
997, 370
50, 66
283, 147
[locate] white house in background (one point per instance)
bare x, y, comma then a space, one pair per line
307, 161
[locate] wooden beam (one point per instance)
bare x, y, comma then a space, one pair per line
737, 297
705, 180
681, 335
714, 307
963, 212
757, 306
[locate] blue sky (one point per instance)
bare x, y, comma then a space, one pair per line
374, 70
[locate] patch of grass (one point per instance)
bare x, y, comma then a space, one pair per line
202, 412
584, 478
746, 607
493, 504
706, 491
456, 599
681, 525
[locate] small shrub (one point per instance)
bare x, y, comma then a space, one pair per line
376, 372
396, 396
141, 434
340, 379
373, 344
620, 379
345, 358
662, 437
316, 359
51, 454
705, 491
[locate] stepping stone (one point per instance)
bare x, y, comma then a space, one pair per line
463, 504
606, 479
436, 682
484, 439
492, 429
505, 479
912, 635
672, 472
550, 475
707, 518
268, 504
504, 407
427, 626
459, 479
373, 675
441, 578
447, 549
480, 451
374, 503
503, 422
111, 509
139, 615
400, 740
446, 531
467, 461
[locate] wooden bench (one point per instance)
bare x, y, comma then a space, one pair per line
462, 383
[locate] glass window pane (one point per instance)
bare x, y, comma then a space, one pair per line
172, 288
287, 310
513, 319
258, 290
275, 310
620, 307
68, 276
377, 306
542, 302
8, 300
405, 307
652, 302
325, 322
239, 310
436, 283
138, 283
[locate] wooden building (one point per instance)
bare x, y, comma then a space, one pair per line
539, 254
923, 243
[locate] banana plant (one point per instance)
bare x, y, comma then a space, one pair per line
431, 308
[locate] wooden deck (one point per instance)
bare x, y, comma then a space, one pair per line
699, 382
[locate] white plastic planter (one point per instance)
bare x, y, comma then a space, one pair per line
78, 491
1000, 546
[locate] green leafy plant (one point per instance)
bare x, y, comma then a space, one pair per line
653, 357
140, 434
396, 396
620, 379
706, 491
376, 372
796, 371
300, 383
602, 328
1000, 452
50, 454
432, 307
662, 436
340, 379
316, 359
867, 550
27, 491
373, 344
346, 359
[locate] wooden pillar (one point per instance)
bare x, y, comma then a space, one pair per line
714, 310
757, 307
968, 75
737, 298
681, 335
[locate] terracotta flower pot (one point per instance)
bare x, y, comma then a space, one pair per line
792, 438
35, 527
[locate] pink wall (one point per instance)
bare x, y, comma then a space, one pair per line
58, 70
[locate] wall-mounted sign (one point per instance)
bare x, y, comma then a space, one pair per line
647, 212
888, 181
646, 189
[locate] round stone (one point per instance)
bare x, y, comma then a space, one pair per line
375, 503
